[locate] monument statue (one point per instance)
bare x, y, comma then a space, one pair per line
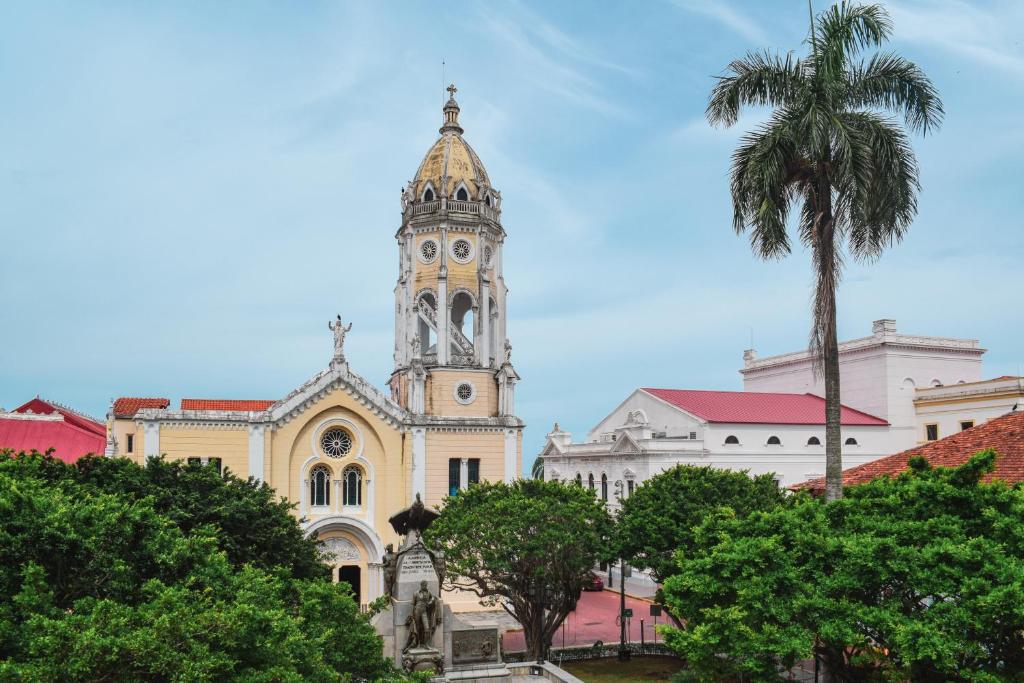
423, 619
390, 562
339, 331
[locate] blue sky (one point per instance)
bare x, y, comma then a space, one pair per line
190, 190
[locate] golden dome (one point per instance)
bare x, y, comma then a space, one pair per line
452, 159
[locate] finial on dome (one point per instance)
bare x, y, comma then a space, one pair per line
451, 112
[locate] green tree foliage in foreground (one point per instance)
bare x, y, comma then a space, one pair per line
915, 578
661, 518
528, 546
98, 584
832, 154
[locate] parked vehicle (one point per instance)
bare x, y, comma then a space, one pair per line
594, 583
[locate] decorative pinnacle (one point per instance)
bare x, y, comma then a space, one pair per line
451, 112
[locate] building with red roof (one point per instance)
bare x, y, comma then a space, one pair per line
1004, 435
43, 425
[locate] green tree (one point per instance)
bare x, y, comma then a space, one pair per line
528, 546
918, 578
537, 471
661, 518
100, 586
256, 526
831, 154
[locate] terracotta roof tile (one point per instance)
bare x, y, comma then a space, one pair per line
127, 406
1005, 435
230, 405
759, 407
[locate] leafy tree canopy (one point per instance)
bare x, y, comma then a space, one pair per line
100, 585
919, 578
528, 546
662, 516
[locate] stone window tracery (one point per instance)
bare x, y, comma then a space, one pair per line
352, 486
336, 443
320, 486
462, 250
428, 251
465, 393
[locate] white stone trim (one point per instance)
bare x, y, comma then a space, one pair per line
256, 451
459, 399
510, 456
151, 435
419, 462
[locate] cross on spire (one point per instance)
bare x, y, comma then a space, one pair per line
452, 90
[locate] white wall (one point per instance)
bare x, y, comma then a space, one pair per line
661, 417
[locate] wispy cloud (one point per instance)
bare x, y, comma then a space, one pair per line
988, 36
554, 60
726, 15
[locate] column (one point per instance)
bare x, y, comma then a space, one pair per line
256, 451
151, 434
485, 324
443, 345
510, 456
464, 474
374, 581
419, 463
369, 502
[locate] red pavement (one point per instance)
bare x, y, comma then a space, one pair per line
593, 620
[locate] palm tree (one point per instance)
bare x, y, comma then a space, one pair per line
833, 154
538, 468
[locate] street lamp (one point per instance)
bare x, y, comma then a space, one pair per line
623, 648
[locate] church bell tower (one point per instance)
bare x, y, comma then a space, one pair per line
452, 353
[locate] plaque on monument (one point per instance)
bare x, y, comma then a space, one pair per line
475, 646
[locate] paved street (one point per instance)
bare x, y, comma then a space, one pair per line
593, 620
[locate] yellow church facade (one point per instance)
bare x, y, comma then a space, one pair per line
346, 453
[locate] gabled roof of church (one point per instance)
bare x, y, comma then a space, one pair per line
1004, 435
737, 407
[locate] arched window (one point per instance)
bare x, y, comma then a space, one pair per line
814, 441
352, 486
732, 440
774, 441
579, 480
428, 195
320, 486
590, 481
462, 195
851, 441
604, 487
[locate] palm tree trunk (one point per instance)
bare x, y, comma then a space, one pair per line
825, 323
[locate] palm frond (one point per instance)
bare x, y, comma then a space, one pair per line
759, 79
891, 82
883, 208
846, 28
765, 166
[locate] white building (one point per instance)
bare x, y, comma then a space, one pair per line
655, 429
898, 391
881, 375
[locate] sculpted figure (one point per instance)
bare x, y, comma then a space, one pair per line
390, 562
339, 331
423, 620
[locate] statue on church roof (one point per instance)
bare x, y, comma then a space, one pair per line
339, 331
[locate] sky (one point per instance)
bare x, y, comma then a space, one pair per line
189, 191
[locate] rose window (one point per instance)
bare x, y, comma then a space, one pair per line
336, 443
464, 391
461, 250
428, 250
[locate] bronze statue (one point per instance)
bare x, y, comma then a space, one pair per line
390, 562
423, 619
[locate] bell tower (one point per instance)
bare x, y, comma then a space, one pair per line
452, 353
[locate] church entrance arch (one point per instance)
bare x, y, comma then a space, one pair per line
342, 538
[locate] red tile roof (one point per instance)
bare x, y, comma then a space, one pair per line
41, 406
127, 406
41, 425
759, 408
1003, 434
228, 405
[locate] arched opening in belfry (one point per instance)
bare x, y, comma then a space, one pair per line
462, 322
492, 327
462, 195
427, 323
